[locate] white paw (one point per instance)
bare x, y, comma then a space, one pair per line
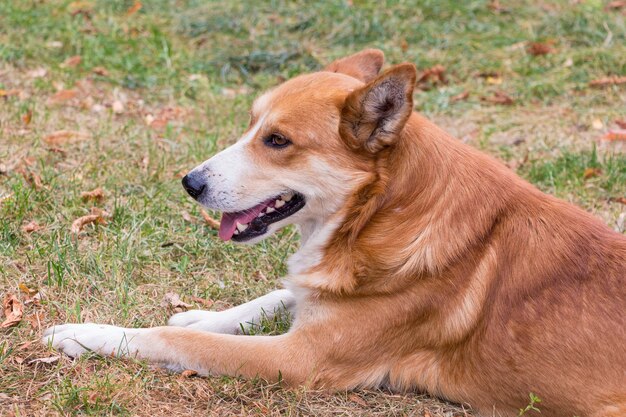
76, 339
206, 321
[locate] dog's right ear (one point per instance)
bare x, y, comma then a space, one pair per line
373, 116
364, 65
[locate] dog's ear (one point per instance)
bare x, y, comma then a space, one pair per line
363, 65
373, 116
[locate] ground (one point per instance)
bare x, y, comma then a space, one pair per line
128, 97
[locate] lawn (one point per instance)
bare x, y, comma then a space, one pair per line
127, 97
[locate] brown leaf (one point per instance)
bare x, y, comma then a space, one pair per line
117, 107
32, 178
100, 71
539, 48
188, 373
210, 221
615, 134
48, 360
12, 311
499, 97
95, 195
134, 8
615, 5
612, 80
356, 399
495, 6
28, 291
7, 93
618, 200
31, 227
37, 73
186, 216
259, 276
27, 117
404, 45
203, 301
61, 137
621, 123
97, 216
591, 172
72, 62
63, 95
171, 300
435, 74
460, 97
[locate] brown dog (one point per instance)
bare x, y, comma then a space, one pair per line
424, 263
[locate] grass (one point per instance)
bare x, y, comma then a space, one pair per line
192, 69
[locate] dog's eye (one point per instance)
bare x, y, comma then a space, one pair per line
277, 141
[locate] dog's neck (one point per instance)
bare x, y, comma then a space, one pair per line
432, 197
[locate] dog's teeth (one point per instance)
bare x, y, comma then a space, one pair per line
270, 210
261, 214
287, 197
279, 203
236, 232
241, 227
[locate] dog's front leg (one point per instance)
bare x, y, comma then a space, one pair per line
288, 356
237, 319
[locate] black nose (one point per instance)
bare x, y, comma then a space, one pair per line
193, 185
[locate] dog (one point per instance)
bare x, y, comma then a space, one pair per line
424, 264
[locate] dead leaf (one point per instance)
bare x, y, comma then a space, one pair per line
172, 301
134, 8
95, 195
48, 360
27, 117
539, 48
615, 134
495, 6
621, 123
597, 124
97, 216
63, 95
12, 311
117, 107
61, 137
210, 221
435, 74
356, 399
259, 276
404, 45
615, 5
37, 73
187, 216
612, 80
188, 373
8, 93
32, 178
499, 97
72, 62
460, 97
31, 227
618, 200
100, 71
18, 359
591, 172
204, 302
497, 80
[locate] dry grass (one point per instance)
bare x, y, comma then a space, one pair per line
162, 89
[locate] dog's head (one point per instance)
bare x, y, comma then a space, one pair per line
310, 143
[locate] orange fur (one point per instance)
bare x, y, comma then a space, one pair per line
441, 270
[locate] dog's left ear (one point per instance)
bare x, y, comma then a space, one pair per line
364, 65
373, 116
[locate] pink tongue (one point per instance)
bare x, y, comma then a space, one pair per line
230, 220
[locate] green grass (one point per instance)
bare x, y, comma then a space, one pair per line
207, 61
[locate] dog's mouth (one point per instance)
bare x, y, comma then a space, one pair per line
247, 224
